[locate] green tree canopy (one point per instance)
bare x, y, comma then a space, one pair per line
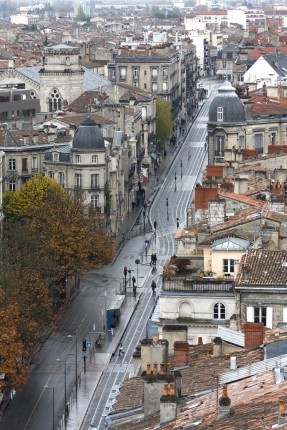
164, 122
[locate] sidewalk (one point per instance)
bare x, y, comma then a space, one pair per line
97, 362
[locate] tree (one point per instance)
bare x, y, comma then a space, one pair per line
164, 122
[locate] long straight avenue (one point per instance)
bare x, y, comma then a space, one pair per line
40, 403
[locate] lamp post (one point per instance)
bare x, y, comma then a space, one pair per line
181, 169
137, 261
65, 376
166, 202
144, 219
53, 404
76, 355
174, 181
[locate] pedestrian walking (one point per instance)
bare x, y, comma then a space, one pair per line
153, 259
133, 281
121, 351
153, 287
154, 225
135, 291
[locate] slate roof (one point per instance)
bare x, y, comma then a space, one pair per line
75, 120
233, 109
146, 56
265, 267
91, 80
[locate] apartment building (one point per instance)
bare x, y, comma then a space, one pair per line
154, 70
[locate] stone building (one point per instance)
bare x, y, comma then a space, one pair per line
91, 168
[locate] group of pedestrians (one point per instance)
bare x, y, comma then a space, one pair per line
153, 260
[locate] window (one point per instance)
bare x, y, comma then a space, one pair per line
241, 142
219, 146
272, 138
260, 315
223, 54
145, 73
136, 73
61, 178
94, 159
154, 73
258, 141
145, 86
164, 86
78, 180
51, 174
94, 201
12, 185
55, 156
12, 164
228, 266
220, 114
94, 181
78, 159
24, 164
123, 73
154, 87
165, 72
219, 311
34, 163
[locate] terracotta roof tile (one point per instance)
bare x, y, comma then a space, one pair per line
241, 198
265, 267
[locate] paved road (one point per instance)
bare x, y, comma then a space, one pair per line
31, 409
188, 163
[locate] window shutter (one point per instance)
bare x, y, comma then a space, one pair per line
250, 314
284, 314
269, 315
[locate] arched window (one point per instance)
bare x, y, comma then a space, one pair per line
55, 101
219, 311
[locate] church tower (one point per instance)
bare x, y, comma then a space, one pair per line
61, 77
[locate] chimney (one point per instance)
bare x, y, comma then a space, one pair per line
162, 369
173, 333
233, 365
282, 416
168, 404
153, 351
245, 272
254, 333
224, 403
152, 386
199, 340
233, 322
217, 347
181, 353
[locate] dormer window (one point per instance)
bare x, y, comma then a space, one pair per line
56, 156
78, 159
94, 159
220, 114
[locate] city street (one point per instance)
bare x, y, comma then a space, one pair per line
52, 380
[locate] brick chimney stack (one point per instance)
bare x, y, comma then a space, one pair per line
181, 353
224, 403
254, 333
168, 404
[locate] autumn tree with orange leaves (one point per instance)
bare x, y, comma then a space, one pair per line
47, 234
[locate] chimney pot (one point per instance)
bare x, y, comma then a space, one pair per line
162, 369
171, 390
224, 402
165, 389
155, 369
155, 338
148, 370
199, 340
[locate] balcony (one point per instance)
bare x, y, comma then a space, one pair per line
154, 78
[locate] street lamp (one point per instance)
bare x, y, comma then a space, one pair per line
53, 407
70, 336
166, 202
137, 261
144, 220
65, 375
174, 181
181, 169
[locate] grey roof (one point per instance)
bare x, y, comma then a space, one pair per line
91, 80
88, 136
278, 62
60, 46
233, 109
